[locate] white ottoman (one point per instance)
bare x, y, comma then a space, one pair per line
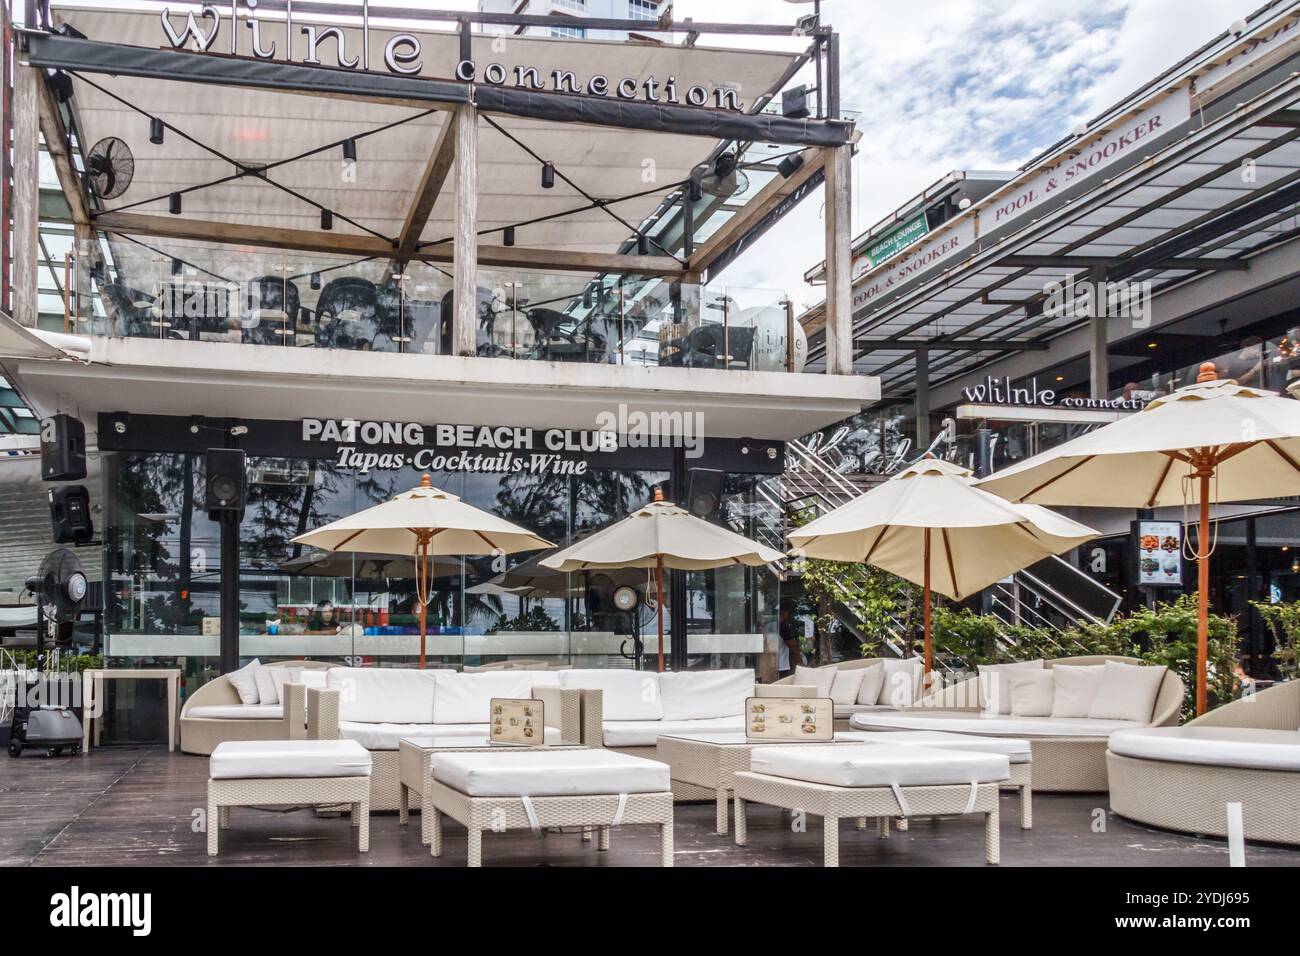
549, 788
873, 780
1018, 752
248, 773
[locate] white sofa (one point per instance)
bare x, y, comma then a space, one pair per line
215, 712
1069, 753
1182, 778
377, 706
897, 685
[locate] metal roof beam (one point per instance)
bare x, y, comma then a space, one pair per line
940, 345
1088, 262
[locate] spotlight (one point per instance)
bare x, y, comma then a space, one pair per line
725, 164
794, 103
790, 165
350, 150
696, 189
315, 280
61, 84
508, 235
174, 204
156, 131
642, 244
326, 219
548, 176
177, 266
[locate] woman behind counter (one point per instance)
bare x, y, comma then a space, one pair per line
323, 620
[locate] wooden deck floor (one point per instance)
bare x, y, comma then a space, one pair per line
141, 806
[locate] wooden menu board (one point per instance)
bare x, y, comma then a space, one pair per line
515, 721
790, 718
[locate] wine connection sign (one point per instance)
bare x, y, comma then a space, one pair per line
289, 40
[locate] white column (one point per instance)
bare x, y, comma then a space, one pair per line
26, 195
465, 251
839, 268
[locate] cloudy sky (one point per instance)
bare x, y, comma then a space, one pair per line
966, 84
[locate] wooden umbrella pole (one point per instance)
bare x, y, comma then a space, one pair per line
925, 611
1203, 589
422, 587
659, 607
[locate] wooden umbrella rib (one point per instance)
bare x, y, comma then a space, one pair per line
1055, 478
490, 543
952, 570
1164, 473
1232, 451
354, 534
872, 550
1281, 454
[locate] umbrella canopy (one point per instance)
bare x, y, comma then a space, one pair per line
1214, 440
931, 525
661, 531
397, 526
423, 523
661, 535
370, 567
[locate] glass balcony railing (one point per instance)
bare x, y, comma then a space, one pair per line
180, 290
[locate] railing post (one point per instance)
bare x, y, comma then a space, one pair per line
465, 251
839, 267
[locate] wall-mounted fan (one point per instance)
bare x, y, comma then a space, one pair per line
60, 588
726, 178
109, 167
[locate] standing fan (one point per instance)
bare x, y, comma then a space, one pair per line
726, 178
109, 168
59, 588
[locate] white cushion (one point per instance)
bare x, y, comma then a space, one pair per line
902, 681
237, 712
385, 736
267, 692
399, 695
543, 678
626, 695
549, 773
993, 693
1248, 747
244, 681
873, 678
247, 759
1016, 750
879, 765
845, 711
697, 695
467, 698
646, 733
284, 675
847, 683
995, 725
1074, 687
317, 677
819, 677
1031, 691
1127, 692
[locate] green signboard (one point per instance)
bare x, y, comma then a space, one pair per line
897, 239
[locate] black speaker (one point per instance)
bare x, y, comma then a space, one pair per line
704, 492
63, 448
225, 486
70, 514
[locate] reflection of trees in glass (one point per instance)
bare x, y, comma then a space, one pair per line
533, 619
162, 488
603, 496
538, 502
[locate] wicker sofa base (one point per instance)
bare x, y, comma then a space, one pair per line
499, 814
1192, 798
833, 803
352, 792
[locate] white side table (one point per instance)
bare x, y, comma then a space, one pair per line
93, 684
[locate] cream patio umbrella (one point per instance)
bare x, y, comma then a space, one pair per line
1214, 440
661, 535
421, 524
931, 525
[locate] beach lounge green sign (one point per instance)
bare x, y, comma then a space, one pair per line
897, 239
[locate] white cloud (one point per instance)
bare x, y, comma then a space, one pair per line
962, 84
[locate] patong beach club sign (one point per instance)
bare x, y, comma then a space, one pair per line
288, 39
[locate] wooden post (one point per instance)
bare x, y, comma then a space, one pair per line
465, 268
1203, 589
27, 197
925, 613
839, 266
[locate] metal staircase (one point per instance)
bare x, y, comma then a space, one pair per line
1045, 595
